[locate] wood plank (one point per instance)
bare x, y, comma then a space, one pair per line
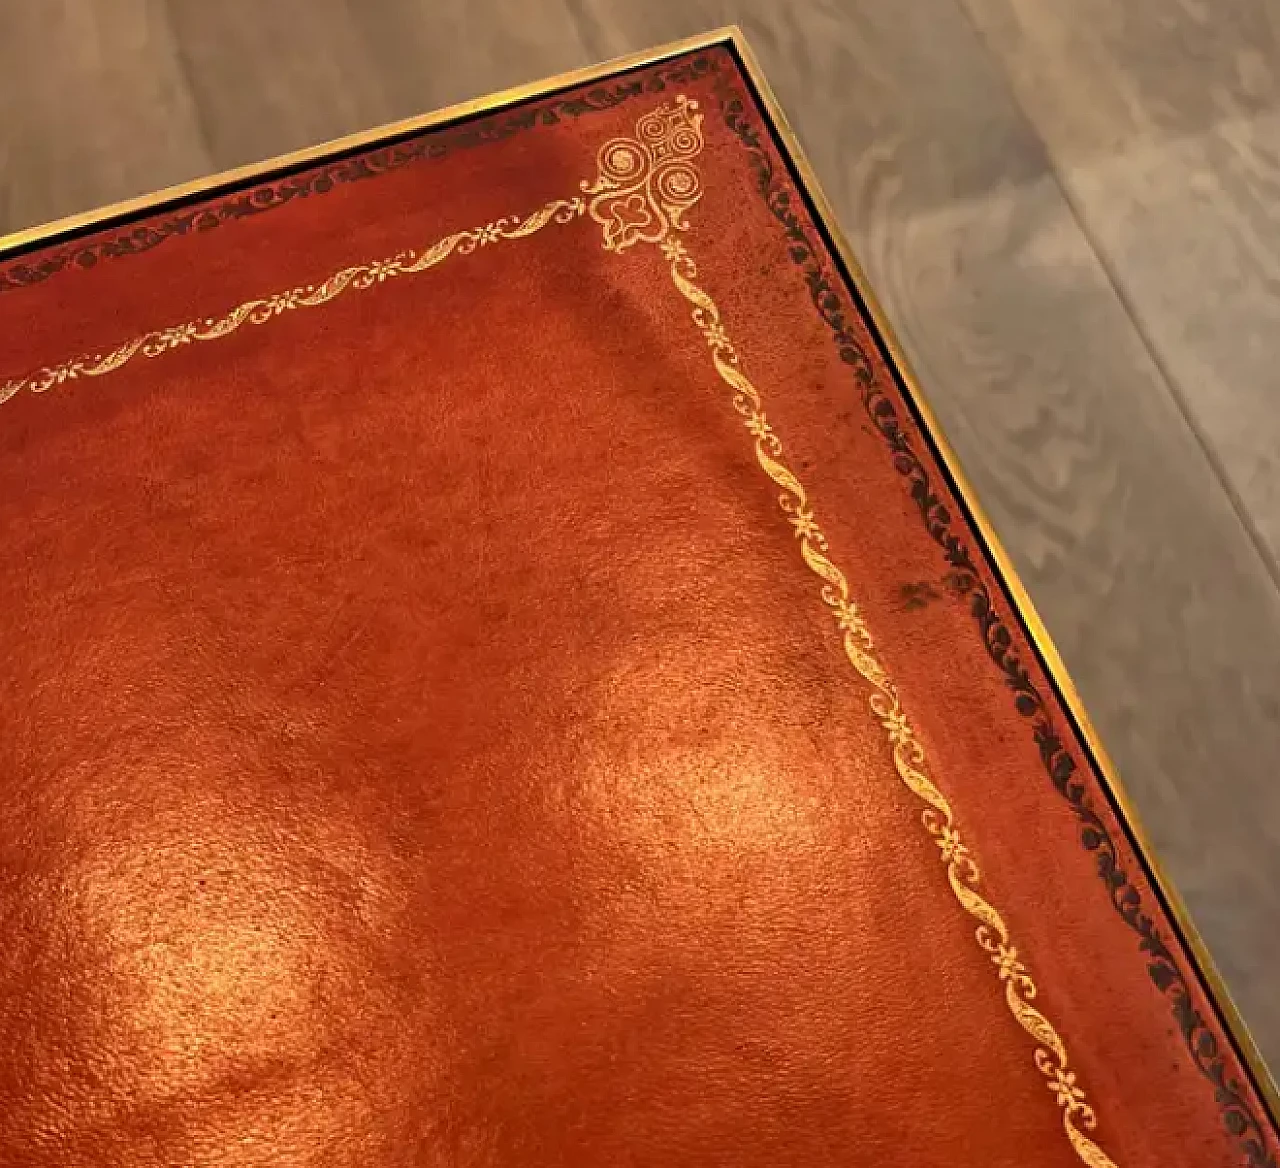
442, 53
273, 77
1144, 71
96, 108
1163, 118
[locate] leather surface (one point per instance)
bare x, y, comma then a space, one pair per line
424, 744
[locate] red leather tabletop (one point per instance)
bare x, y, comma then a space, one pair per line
494, 673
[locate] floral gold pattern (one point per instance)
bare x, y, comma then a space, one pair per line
1208, 1045
257, 312
643, 190
265, 197
647, 183
962, 870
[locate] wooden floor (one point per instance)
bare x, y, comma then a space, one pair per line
1071, 210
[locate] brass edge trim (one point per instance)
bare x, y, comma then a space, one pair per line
1105, 767
238, 175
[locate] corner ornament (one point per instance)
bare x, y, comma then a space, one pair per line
645, 186
647, 183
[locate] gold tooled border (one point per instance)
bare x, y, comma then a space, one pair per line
644, 189
53, 232
1103, 766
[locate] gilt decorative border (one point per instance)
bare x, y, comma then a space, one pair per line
642, 193
645, 187
785, 201
360, 278
367, 164
1060, 764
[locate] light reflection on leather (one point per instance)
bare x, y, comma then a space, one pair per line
452, 639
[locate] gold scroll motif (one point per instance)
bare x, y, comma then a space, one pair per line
671, 136
647, 183
643, 190
360, 277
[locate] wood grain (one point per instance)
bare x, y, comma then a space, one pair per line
1126, 537
439, 54
95, 107
1163, 119
317, 69
272, 77
1138, 71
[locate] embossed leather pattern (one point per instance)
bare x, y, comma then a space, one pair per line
427, 741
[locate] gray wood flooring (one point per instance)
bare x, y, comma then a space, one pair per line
1070, 210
